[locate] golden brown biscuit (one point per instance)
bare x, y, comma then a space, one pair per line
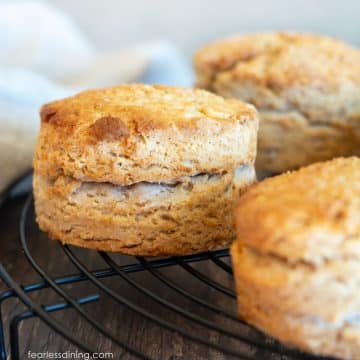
297, 257
306, 88
133, 133
143, 170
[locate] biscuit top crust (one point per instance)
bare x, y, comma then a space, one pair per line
134, 109
116, 134
311, 215
279, 60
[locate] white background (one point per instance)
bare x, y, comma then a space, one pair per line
190, 23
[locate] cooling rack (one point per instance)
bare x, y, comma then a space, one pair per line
190, 299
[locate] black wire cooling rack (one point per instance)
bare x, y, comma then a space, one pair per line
205, 318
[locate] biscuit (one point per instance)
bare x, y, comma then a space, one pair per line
296, 259
306, 88
143, 170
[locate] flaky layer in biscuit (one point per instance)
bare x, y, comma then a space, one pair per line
184, 216
316, 309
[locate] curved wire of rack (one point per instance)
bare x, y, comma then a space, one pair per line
255, 344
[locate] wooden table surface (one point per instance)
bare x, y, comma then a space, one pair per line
124, 323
